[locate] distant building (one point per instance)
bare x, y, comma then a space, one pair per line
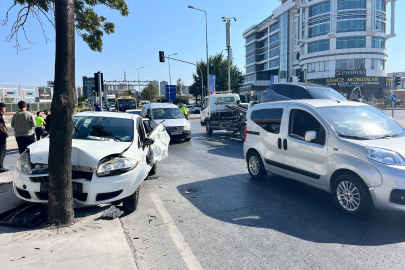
156, 83
162, 91
79, 91
88, 84
186, 91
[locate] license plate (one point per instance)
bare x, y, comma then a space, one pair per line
175, 132
77, 187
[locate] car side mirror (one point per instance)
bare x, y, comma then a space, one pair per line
310, 135
44, 135
148, 141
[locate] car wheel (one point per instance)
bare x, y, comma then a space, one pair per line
131, 203
153, 170
242, 132
187, 139
255, 166
352, 196
208, 128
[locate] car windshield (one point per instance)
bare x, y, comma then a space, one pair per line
365, 122
325, 93
167, 113
103, 128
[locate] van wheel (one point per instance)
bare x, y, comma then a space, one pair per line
255, 166
242, 132
352, 196
130, 203
208, 127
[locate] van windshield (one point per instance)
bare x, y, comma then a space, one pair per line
361, 121
167, 113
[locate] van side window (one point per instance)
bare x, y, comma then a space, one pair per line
272, 120
257, 116
286, 90
205, 104
301, 93
301, 122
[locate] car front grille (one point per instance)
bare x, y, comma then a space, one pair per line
78, 196
179, 128
39, 179
42, 178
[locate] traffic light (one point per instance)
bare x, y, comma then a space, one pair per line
397, 81
94, 89
161, 56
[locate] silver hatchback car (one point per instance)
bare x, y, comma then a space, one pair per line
350, 149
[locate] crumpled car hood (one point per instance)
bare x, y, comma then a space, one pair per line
172, 122
86, 153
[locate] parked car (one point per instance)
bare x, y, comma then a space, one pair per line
111, 155
194, 108
350, 149
177, 126
138, 112
288, 91
112, 108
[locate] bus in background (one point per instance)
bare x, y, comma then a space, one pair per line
125, 103
110, 100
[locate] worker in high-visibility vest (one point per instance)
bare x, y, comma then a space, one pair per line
184, 110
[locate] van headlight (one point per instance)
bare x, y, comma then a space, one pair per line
187, 126
116, 166
384, 156
24, 163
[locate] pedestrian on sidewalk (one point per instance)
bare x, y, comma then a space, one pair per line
40, 125
48, 120
98, 109
3, 137
23, 123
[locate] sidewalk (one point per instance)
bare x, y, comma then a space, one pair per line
90, 243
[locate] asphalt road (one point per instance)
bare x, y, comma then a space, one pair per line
205, 212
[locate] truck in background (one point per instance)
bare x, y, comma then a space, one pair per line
110, 100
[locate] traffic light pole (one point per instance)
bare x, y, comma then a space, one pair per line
393, 92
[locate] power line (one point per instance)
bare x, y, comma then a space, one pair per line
192, 35
237, 17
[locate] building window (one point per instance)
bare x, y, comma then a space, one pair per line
380, 5
275, 52
351, 26
319, 46
318, 67
250, 60
350, 42
274, 27
263, 43
350, 64
377, 64
284, 44
250, 69
352, 14
318, 20
262, 33
380, 26
274, 38
262, 57
320, 8
318, 30
274, 63
249, 48
351, 4
377, 42
264, 66
250, 38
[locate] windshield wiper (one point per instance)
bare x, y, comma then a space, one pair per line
353, 137
106, 132
78, 131
386, 136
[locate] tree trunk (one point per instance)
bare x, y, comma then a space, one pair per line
60, 203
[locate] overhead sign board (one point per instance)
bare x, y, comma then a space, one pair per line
49, 83
350, 73
10, 93
44, 93
171, 92
30, 94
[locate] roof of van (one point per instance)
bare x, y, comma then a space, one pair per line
316, 103
162, 105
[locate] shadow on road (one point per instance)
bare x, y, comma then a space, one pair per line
292, 208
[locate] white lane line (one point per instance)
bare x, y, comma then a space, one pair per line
178, 239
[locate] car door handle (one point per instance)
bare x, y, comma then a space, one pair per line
279, 143
285, 144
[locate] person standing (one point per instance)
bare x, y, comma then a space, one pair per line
40, 125
3, 137
47, 120
23, 123
98, 109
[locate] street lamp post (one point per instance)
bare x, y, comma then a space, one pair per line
206, 41
170, 77
139, 85
228, 45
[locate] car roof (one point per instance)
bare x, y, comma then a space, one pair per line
162, 105
305, 85
134, 110
107, 114
316, 103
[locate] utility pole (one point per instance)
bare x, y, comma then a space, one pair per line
170, 77
150, 94
228, 45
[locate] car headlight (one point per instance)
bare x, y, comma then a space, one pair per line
187, 126
116, 166
384, 156
24, 163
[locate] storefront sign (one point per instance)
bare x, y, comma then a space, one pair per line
29, 94
10, 93
350, 73
44, 93
353, 81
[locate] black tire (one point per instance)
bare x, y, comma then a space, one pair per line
242, 132
153, 170
130, 203
347, 203
258, 173
187, 139
208, 127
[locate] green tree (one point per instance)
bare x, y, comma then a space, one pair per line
218, 66
81, 98
179, 88
145, 92
68, 17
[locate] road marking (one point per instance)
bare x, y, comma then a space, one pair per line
178, 239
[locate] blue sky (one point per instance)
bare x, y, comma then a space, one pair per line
150, 27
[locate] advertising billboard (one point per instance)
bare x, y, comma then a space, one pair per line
45, 93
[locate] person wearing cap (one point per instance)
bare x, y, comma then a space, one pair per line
23, 123
98, 109
48, 120
3, 137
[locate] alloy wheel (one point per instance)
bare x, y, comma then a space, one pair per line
348, 195
254, 165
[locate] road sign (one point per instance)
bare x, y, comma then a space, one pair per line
394, 98
49, 83
172, 91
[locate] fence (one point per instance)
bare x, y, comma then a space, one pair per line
28, 93
32, 107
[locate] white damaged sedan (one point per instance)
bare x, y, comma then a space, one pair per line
111, 155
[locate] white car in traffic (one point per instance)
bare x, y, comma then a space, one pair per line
350, 149
112, 108
111, 155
